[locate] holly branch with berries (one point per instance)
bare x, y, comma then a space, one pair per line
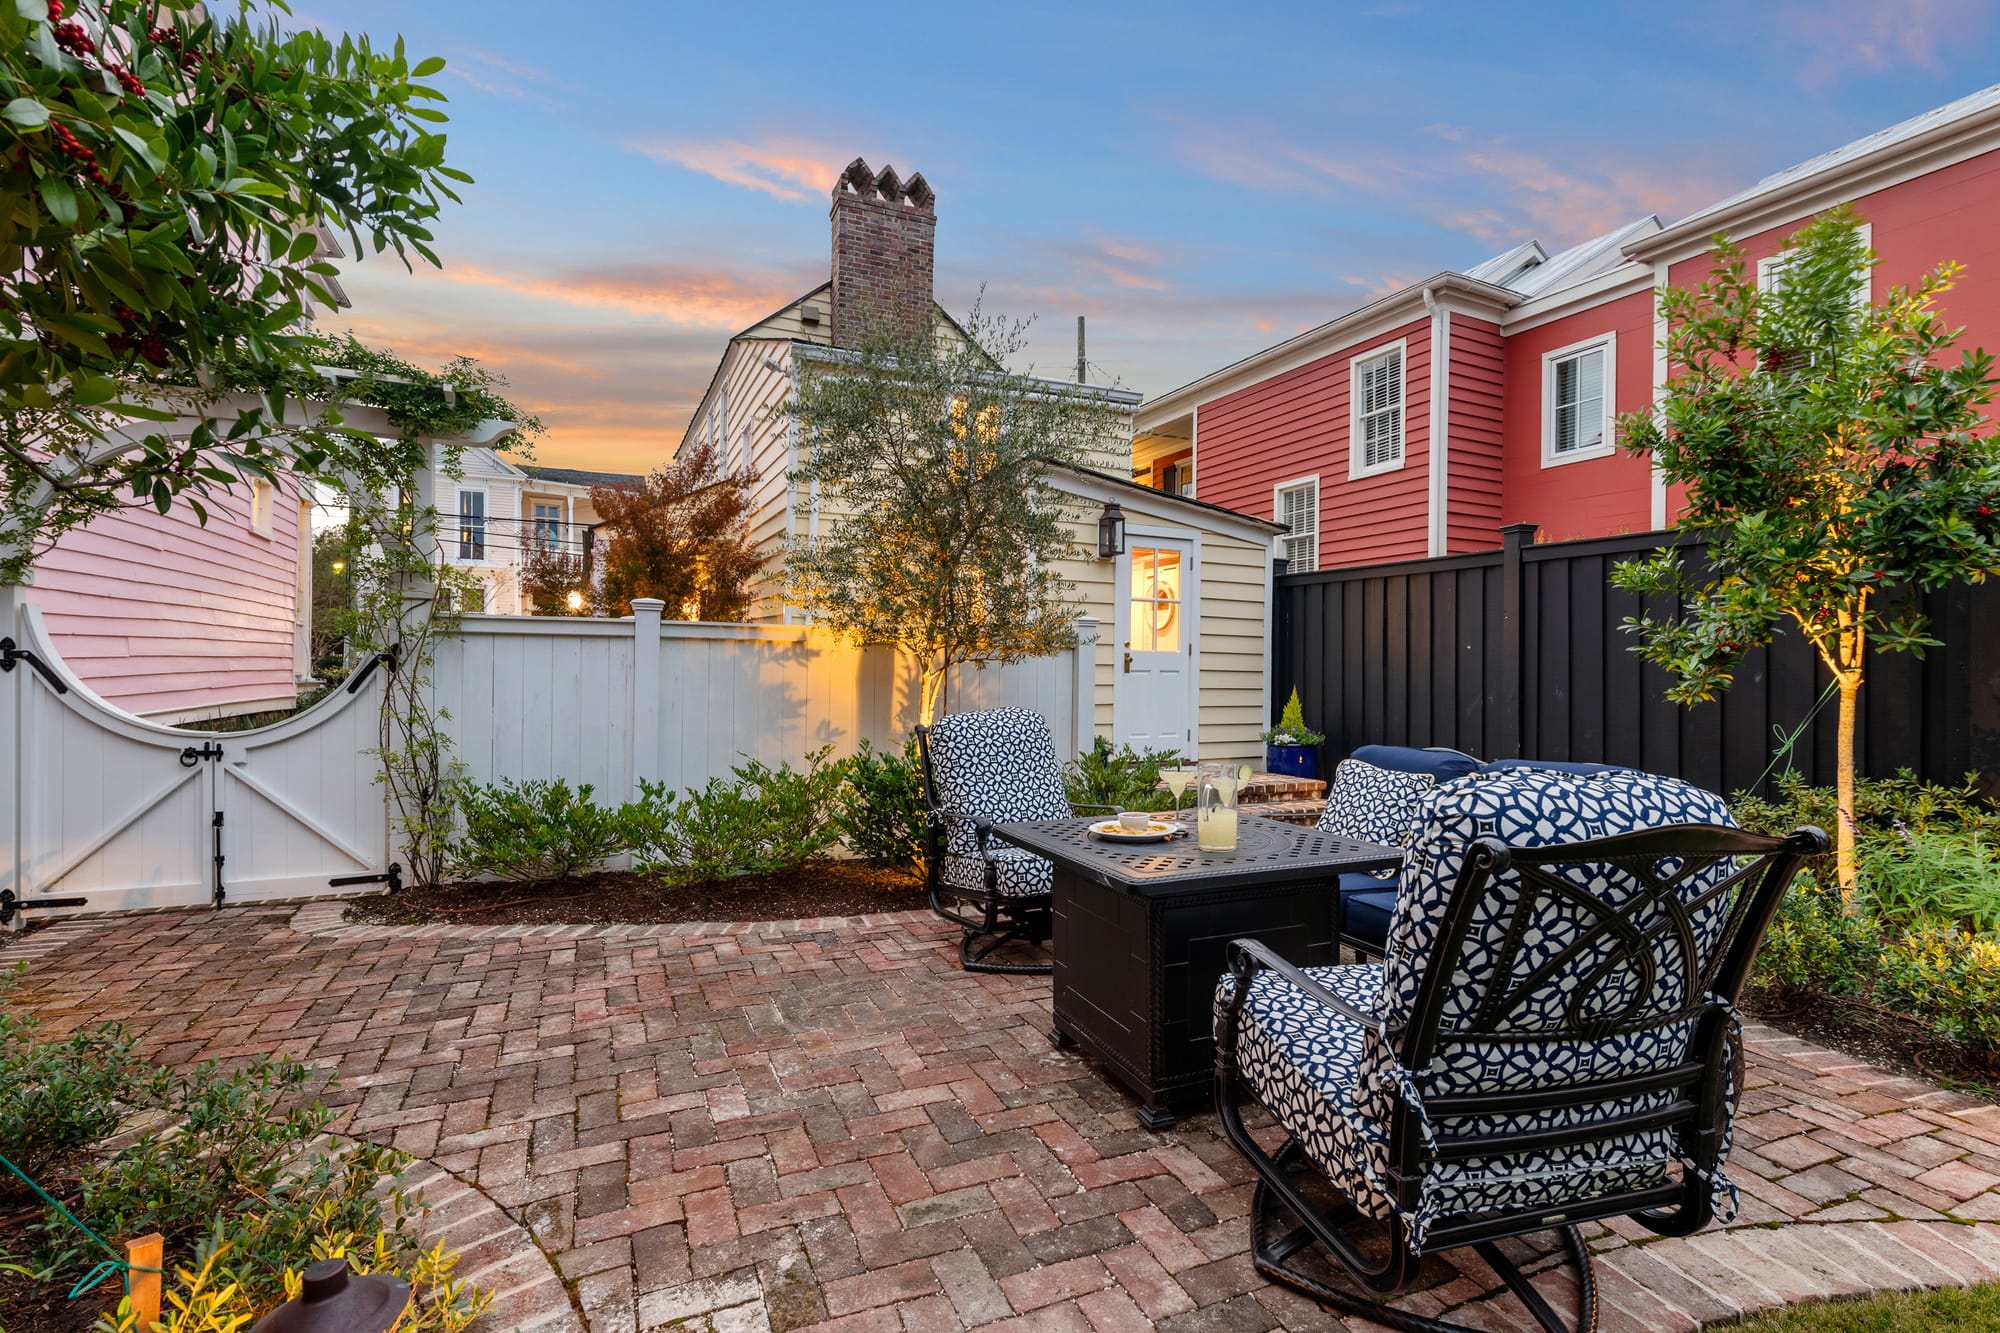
1834, 454
175, 178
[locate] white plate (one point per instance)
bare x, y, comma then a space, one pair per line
1112, 831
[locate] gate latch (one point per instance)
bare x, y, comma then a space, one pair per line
192, 756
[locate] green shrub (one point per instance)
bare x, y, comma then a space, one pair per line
232, 1152
60, 1095
1932, 877
536, 830
1883, 809
882, 815
1124, 779
1949, 979
1813, 945
766, 821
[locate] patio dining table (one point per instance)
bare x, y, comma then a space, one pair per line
1139, 932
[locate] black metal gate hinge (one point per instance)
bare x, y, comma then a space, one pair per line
11, 902
11, 653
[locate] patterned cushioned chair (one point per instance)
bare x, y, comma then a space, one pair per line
1550, 1040
1375, 796
982, 769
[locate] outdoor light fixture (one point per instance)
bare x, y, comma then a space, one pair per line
340, 566
1111, 532
333, 1300
575, 600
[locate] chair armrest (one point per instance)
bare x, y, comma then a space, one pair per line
1248, 957
982, 829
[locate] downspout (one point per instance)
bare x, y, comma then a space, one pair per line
1440, 443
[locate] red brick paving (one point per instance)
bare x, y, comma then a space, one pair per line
828, 1125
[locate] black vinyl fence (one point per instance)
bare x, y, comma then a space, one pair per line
1522, 651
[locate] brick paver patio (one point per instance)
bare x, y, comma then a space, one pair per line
828, 1124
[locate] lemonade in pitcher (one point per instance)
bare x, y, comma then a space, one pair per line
1215, 808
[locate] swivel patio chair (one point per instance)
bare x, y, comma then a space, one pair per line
1551, 1040
982, 769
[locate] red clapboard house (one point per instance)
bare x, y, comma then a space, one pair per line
1416, 426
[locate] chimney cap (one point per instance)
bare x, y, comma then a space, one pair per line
858, 178
866, 183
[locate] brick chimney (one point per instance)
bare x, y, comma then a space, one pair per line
883, 245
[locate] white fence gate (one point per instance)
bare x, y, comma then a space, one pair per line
102, 810
109, 811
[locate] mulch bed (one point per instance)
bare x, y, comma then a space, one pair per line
833, 888
1885, 1040
40, 1307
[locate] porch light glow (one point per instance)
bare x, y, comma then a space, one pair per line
1111, 532
575, 600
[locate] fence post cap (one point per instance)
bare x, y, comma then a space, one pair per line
1523, 529
645, 605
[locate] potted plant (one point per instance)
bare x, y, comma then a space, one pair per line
1291, 747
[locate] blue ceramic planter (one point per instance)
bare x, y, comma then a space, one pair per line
1297, 761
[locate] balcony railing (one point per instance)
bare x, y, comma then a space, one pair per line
472, 539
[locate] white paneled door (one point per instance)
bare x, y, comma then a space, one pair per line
1152, 697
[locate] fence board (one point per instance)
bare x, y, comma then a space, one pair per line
1523, 651
531, 697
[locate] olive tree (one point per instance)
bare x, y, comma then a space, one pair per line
940, 530
1836, 458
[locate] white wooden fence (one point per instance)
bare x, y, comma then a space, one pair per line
609, 702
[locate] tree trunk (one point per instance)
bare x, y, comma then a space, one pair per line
932, 690
1850, 689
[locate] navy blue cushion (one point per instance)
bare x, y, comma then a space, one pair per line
1553, 766
1444, 765
1366, 904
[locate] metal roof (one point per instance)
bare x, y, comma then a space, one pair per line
570, 476
1531, 271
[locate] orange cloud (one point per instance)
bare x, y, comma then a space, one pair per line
784, 170
1565, 204
710, 298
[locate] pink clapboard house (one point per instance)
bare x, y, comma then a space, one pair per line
184, 622
1419, 424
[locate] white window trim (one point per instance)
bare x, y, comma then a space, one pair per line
263, 506
1356, 467
1550, 458
1864, 293
1283, 539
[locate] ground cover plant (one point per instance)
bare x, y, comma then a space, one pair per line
233, 1166
1915, 946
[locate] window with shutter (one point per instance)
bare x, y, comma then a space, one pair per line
1377, 387
1577, 401
1298, 507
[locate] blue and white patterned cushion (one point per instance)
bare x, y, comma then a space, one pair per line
999, 766
1361, 1086
1371, 804
1304, 1062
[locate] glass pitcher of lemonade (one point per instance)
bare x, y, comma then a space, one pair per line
1215, 808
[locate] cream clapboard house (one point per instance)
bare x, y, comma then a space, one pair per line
1183, 612
496, 514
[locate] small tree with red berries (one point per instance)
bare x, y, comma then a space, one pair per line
1832, 451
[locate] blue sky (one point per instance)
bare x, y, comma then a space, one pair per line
1198, 180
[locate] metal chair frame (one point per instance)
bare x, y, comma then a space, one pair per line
1285, 1221
998, 919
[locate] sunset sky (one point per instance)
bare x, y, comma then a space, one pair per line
1199, 181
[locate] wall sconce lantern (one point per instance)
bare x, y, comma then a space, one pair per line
1111, 532
574, 602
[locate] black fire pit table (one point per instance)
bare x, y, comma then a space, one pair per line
1139, 932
